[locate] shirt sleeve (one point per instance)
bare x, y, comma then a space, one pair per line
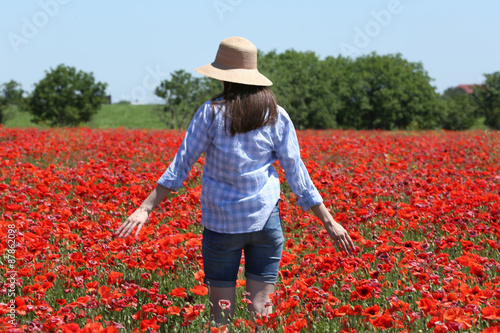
195, 142
288, 153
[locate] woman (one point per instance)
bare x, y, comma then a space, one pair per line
242, 131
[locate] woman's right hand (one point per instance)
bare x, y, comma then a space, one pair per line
337, 233
140, 216
340, 236
137, 219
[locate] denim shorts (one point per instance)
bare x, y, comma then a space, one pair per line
222, 254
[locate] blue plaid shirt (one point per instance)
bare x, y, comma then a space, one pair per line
240, 186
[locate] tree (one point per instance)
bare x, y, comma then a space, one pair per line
387, 92
301, 85
370, 92
11, 94
488, 98
66, 97
3, 107
183, 95
459, 109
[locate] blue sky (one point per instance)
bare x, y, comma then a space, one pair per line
133, 45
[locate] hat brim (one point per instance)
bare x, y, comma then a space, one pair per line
238, 75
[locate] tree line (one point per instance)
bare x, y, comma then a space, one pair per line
370, 92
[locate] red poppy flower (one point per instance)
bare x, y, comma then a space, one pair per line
173, 310
61, 301
149, 324
371, 311
342, 311
490, 313
178, 292
427, 305
114, 277
384, 321
199, 290
224, 304
69, 328
362, 293
190, 313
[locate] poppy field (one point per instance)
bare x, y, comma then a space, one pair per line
421, 207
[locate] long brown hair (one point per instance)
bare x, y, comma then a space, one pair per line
247, 107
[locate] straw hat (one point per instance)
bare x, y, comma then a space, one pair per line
236, 61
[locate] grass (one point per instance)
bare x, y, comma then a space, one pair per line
18, 119
479, 124
109, 116
127, 116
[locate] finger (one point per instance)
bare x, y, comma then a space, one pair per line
127, 232
339, 245
346, 246
117, 232
138, 229
343, 246
120, 232
128, 227
122, 227
353, 247
349, 244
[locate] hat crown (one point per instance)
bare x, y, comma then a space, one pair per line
236, 52
236, 61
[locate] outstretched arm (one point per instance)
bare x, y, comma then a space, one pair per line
139, 217
194, 144
288, 152
338, 234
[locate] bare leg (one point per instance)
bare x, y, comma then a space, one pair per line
259, 295
216, 312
